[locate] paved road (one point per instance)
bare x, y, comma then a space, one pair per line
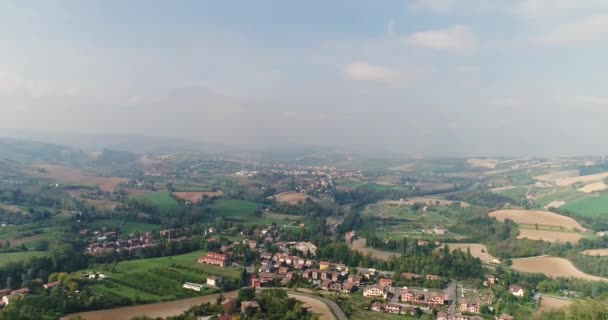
332, 305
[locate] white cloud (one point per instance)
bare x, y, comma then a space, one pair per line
547, 7
582, 31
456, 38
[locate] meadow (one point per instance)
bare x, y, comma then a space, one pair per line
235, 209
162, 200
19, 256
128, 227
589, 206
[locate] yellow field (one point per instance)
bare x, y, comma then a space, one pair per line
550, 236
293, 197
477, 250
592, 187
483, 163
552, 267
596, 252
533, 217
589, 178
553, 177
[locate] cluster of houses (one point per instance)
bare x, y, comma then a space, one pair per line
7, 295
444, 316
108, 243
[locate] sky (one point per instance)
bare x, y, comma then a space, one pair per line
420, 77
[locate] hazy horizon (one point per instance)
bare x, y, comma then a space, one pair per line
428, 77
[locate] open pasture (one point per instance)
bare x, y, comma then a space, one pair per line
593, 205
559, 175
162, 200
552, 267
69, 175
548, 303
235, 209
19, 256
549, 236
536, 217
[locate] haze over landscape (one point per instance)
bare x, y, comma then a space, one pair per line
433, 77
304, 160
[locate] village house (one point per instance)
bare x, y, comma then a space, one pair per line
192, 286
216, 259
375, 292
377, 306
255, 282
214, 281
432, 277
14, 295
410, 276
324, 265
349, 236
249, 305
442, 316
422, 297
348, 288
51, 285
385, 282
516, 291
506, 317
469, 306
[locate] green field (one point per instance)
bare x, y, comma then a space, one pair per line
128, 227
162, 199
235, 209
19, 256
515, 194
160, 279
589, 206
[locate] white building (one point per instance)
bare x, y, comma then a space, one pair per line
214, 281
193, 286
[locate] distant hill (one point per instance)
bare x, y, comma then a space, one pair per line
32, 151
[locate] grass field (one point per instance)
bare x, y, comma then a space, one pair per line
589, 206
235, 209
160, 279
19, 256
128, 227
163, 200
